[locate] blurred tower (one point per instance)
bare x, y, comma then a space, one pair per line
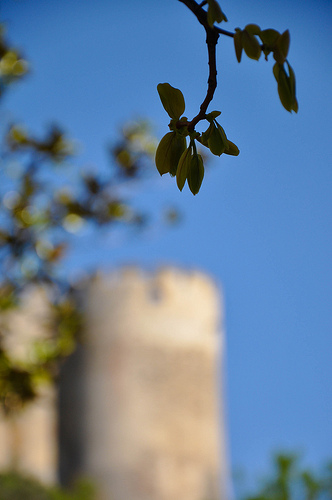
139, 406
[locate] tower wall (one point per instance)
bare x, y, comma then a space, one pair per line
140, 407
143, 417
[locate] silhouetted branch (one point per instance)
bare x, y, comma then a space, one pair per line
212, 35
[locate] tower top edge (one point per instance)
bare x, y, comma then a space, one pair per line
169, 273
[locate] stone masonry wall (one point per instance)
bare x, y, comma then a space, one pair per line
149, 409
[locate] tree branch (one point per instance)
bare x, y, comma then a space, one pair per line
224, 32
212, 35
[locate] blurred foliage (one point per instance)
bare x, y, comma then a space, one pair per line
44, 199
12, 64
290, 481
14, 486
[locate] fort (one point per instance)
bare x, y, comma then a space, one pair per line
140, 403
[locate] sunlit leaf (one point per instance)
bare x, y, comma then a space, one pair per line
269, 37
253, 29
232, 149
213, 115
238, 44
169, 152
215, 14
286, 86
282, 47
203, 139
251, 45
17, 134
172, 99
276, 69
217, 141
292, 84
285, 91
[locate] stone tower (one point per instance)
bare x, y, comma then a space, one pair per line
139, 404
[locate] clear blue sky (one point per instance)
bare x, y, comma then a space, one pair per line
261, 225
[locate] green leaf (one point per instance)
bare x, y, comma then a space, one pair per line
169, 152
284, 42
172, 99
196, 173
238, 44
183, 167
253, 29
203, 139
269, 37
217, 140
292, 84
232, 149
211, 116
276, 69
282, 47
214, 13
284, 90
251, 45
286, 86
291, 78
222, 134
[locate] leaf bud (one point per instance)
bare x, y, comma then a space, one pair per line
183, 167
195, 174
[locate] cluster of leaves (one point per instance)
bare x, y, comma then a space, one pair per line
14, 486
39, 212
16, 383
277, 43
12, 65
289, 481
173, 154
20, 378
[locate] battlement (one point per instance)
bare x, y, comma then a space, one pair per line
168, 306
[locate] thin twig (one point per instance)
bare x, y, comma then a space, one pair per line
224, 32
212, 35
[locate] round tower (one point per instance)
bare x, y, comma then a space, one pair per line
143, 414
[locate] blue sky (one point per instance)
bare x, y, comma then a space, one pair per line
261, 225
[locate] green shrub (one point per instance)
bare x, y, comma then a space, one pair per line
14, 486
